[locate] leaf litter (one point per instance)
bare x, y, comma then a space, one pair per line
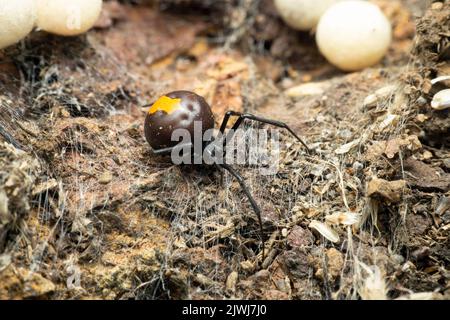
86, 211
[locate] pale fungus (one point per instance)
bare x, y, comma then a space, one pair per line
17, 19
302, 14
353, 35
67, 18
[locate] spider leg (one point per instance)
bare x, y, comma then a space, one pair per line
9, 138
253, 203
226, 117
170, 149
243, 116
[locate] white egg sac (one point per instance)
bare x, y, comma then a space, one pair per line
353, 35
302, 14
67, 18
17, 18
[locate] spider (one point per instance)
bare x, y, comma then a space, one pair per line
180, 110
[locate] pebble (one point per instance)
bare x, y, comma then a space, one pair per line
380, 94
300, 237
307, 89
105, 178
231, 281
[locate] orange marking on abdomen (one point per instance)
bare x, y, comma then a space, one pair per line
166, 104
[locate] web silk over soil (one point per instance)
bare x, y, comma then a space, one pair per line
87, 211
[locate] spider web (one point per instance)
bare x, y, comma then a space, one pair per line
108, 219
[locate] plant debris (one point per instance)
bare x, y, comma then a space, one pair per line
87, 211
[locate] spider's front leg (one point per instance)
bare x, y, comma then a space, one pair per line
243, 116
165, 151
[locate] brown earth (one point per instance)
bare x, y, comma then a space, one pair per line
88, 212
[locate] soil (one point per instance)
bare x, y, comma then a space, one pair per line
87, 211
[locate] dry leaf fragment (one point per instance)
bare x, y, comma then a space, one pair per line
394, 146
307, 89
347, 147
443, 205
345, 218
421, 117
382, 93
374, 286
335, 262
389, 190
325, 230
231, 281
389, 120
426, 176
375, 151
4, 216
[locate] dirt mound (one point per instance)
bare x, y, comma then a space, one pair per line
87, 211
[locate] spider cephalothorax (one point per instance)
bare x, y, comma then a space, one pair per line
182, 110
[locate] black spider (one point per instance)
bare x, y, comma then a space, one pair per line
186, 110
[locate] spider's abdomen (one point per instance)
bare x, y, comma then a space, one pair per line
176, 110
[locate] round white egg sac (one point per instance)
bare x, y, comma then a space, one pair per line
17, 18
353, 35
302, 14
67, 18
